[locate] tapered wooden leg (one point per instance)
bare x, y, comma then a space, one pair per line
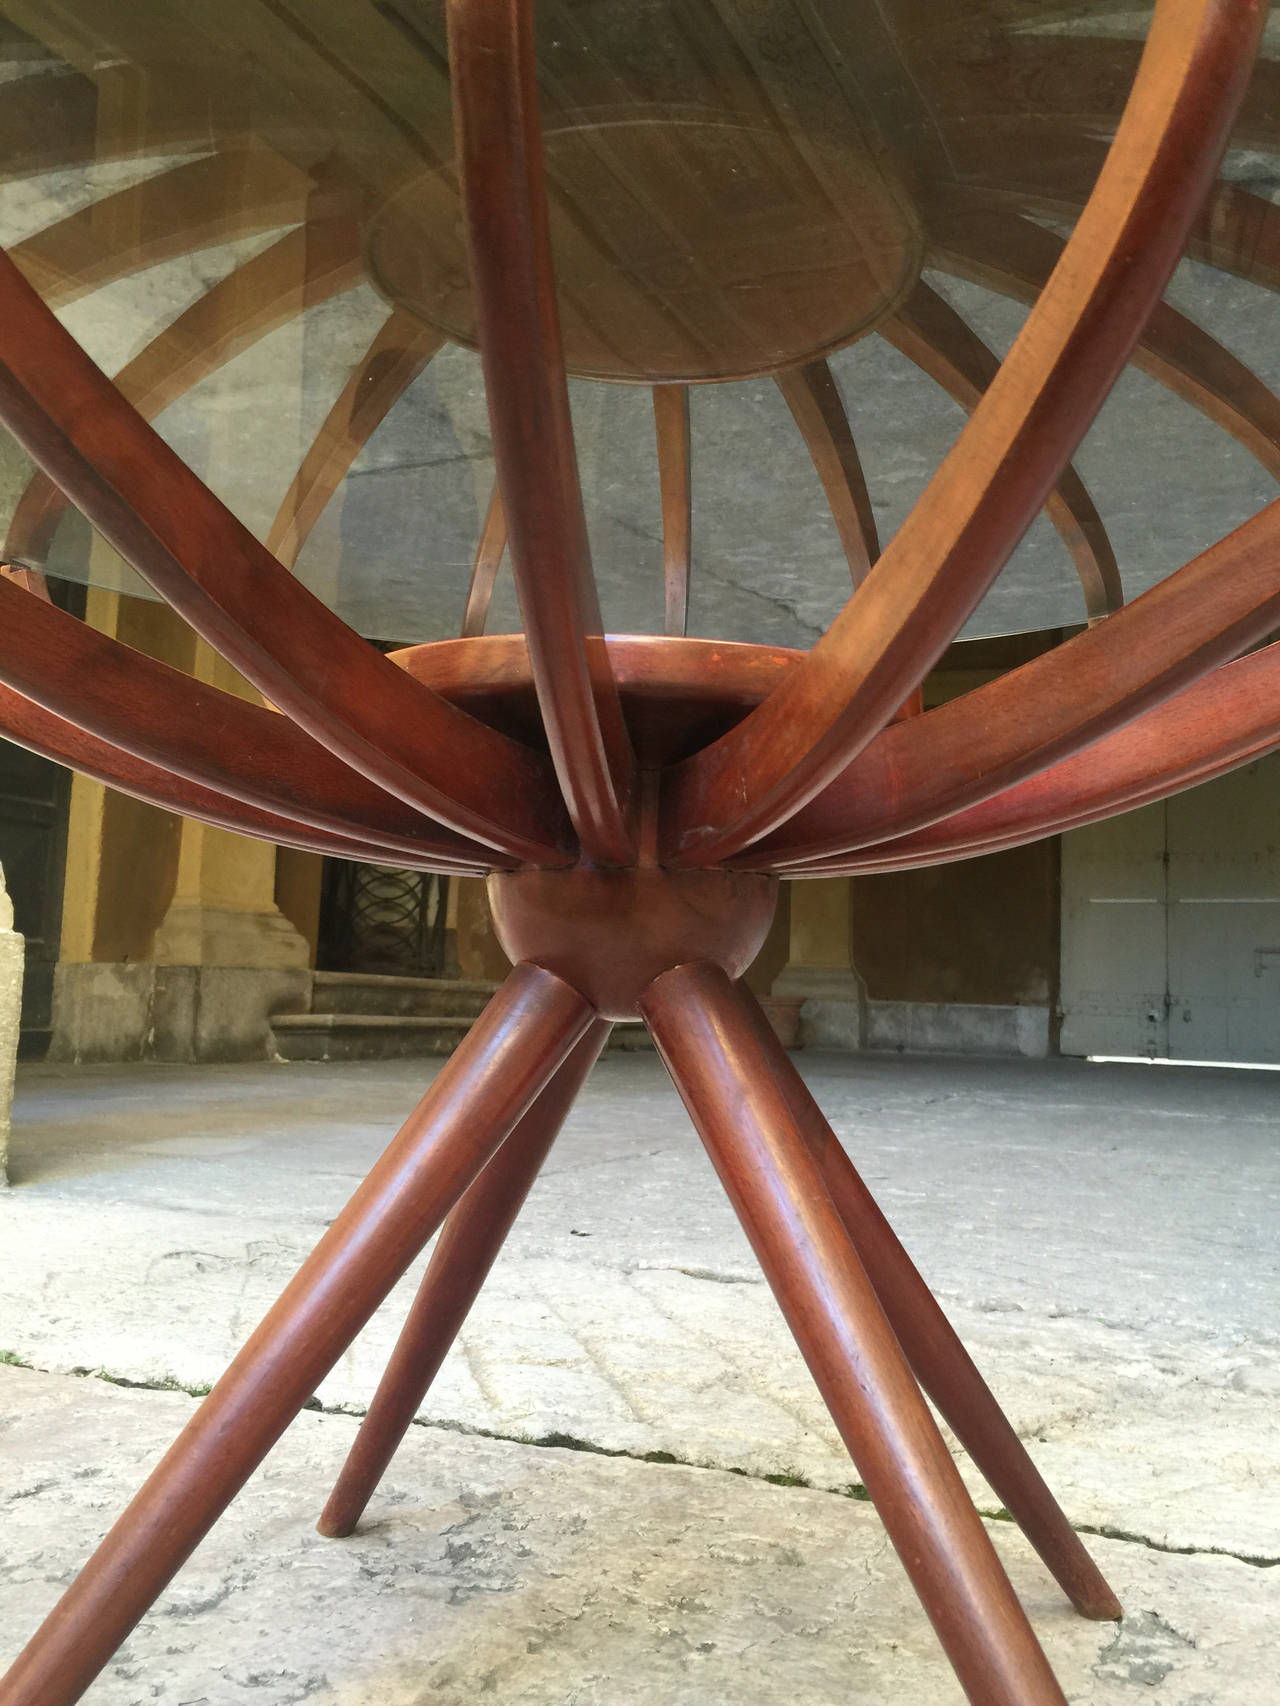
709, 1043
933, 1348
468, 1245
517, 1043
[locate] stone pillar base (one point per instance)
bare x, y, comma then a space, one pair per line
927, 1027
833, 1005
11, 956
195, 934
174, 1013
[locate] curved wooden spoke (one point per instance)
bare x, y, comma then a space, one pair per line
504, 196
1229, 718
1077, 82
932, 335
29, 725
161, 518
484, 570
1239, 232
389, 366
241, 750
30, 580
1005, 462
671, 423
195, 205
1015, 257
814, 399
1236, 230
966, 751
308, 265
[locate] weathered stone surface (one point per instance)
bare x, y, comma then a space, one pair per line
547, 1576
958, 1027
112, 1012
1101, 1235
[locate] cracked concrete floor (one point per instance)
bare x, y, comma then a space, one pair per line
1104, 1237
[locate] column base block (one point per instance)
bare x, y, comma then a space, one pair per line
175, 1013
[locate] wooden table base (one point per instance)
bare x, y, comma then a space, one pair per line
861, 1314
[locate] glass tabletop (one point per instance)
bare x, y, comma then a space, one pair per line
247, 211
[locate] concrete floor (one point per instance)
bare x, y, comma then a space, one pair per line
1105, 1238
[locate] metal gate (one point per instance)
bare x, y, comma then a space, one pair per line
1171, 926
379, 919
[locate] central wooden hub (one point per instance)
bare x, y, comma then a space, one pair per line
610, 933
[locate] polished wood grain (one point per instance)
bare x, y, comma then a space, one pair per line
301, 657
932, 1347
1015, 257
504, 1061
504, 196
307, 266
1238, 231
815, 402
1229, 718
490, 550
29, 725
999, 734
710, 1046
932, 335
395, 358
467, 1248
1006, 461
222, 742
671, 423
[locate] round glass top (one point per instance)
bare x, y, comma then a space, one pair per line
796, 234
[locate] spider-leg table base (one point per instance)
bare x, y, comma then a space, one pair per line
863, 1318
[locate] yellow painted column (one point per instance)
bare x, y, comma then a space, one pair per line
223, 911
820, 972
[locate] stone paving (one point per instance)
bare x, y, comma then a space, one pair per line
1105, 1238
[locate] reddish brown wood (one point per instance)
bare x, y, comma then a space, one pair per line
467, 1248
1016, 257
301, 657
610, 933
930, 333
239, 750
307, 266
394, 359
1027, 89
1006, 461
504, 195
1229, 718
1001, 733
677, 694
933, 1348
815, 402
709, 1045
30, 580
1239, 232
484, 570
671, 422
30, 725
502, 1064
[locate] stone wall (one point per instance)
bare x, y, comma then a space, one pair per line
10, 1016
